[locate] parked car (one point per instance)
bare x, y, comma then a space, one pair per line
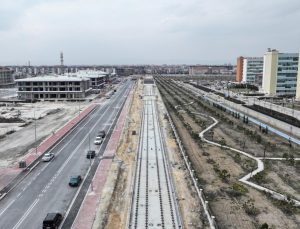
75, 181
90, 154
47, 157
98, 141
52, 221
101, 134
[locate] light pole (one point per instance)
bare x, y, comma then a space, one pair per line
34, 130
78, 107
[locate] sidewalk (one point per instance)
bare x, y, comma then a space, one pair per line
8, 174
87, 212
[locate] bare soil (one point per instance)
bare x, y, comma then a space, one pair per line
49, 118
250, 209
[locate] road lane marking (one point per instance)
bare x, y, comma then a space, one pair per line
70, 206
48, 185
26, 214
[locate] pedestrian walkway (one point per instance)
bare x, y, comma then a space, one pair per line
8, 174
87, 212
260, 166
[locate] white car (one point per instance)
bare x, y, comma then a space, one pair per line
48, 157
98, 138
98, 141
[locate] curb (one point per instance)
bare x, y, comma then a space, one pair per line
26, 171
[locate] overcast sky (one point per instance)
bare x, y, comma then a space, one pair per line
145, 31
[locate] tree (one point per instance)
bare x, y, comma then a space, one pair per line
224, 175
264, 226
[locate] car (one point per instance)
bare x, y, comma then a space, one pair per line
90, 154
47, 157
75, 181
101, 134
98, 142
52, 221
98, 138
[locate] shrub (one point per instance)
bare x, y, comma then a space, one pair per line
250, 209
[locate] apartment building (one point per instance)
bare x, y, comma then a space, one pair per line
197, 70
239, 69
280, 73
6, 77
249, 70
253, 70
53, 87
298, 81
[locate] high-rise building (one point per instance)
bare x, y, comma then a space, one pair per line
6, 77
239, 69
280, 73
253, 70
298, 81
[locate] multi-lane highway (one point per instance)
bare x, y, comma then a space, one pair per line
46, 188
153, 203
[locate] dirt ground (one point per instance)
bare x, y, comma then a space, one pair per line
49, 118
191, 214
116, 213
250, 209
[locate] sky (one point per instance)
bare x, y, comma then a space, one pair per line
144, 31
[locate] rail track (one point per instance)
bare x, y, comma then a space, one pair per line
153, 203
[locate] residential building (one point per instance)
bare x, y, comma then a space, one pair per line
253, 70
298, 81
239, 69
53, 87
280, 73
210, 70
6, 77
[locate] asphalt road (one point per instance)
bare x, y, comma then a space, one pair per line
46, 188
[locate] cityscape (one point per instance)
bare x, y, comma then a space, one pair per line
131, 114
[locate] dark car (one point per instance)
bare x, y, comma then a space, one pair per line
90, 154
101, 134
75, 181
52, 221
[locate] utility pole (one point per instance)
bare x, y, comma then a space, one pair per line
35, 130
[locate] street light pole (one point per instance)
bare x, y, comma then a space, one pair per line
35, 130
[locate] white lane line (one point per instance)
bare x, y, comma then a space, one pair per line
47, 186
4, 210
27, 185
66, 144
26, 214
69, 209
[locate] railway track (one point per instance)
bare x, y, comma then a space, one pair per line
153, 203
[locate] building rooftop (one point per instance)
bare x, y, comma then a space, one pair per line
88, 74
52, 78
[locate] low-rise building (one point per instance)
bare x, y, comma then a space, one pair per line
53, 87
97, 78
198, 70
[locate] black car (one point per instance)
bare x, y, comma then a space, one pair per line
90, 154
101, 134
52, 221
75, 181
